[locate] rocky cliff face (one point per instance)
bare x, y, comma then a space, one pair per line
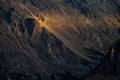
57, 35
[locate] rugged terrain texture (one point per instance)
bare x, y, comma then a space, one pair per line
56, 38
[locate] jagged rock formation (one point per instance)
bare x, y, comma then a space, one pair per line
54, 36
108, 69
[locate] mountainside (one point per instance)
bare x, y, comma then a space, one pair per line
69, 23
56, 37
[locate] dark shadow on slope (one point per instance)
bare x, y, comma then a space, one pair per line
29, 24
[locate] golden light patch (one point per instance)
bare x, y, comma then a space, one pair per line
112, 53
